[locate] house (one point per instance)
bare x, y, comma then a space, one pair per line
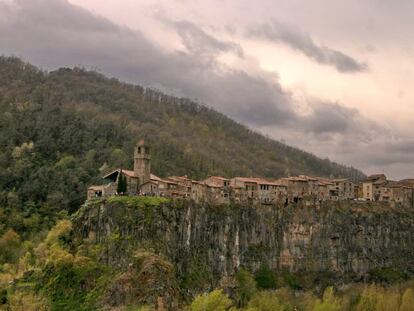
371, 187
219, 190
343, 189
297, 187
262, 190
393, 191
324, 189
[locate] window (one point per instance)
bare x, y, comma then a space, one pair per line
139, 150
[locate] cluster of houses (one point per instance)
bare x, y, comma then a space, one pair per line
221, 190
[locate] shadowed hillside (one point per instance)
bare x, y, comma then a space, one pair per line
60, 130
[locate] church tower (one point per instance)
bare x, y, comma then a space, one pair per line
142, 162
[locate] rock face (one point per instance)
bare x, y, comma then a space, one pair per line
209, 243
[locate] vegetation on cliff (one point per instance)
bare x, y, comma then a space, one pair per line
62, 274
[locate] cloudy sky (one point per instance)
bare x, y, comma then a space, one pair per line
331, 77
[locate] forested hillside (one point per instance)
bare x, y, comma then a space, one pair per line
60, 130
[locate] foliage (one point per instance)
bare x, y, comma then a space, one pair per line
291, 280
387, 275
265, 278
214, 301
267, 301
245, 287
407, 302
9, 246
329, 302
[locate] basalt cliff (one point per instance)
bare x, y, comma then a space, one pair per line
207, 244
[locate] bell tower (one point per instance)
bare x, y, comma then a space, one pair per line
142, 162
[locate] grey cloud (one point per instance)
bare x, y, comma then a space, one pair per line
197, 41
33, 34
300, 41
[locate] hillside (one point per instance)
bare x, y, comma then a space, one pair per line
60, 130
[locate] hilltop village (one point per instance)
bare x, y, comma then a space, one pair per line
221, 190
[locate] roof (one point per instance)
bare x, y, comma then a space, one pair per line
260, 181
96, 188
325, 182
409, 182
130, 173
219, 177
300, 179
375, 177
154, 177
308, 178
340, 179
395, 184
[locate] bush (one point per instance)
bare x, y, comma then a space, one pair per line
387, 275
329, 302
291, 281
246, 287
267, 301
214, 301
265, 278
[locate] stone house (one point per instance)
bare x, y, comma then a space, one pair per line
218, 190
393, 191
343, 189
262, 190
371, 187
297, 187
324, 187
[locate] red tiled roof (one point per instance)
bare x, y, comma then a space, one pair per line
260, 181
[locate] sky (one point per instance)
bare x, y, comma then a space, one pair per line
330, 77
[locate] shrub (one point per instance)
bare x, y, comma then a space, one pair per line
267, 301
214, 301
246, 287
265, 278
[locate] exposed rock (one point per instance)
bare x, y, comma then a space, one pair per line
206, 243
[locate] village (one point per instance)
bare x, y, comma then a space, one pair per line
221, 190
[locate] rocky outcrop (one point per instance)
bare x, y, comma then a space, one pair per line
207, 243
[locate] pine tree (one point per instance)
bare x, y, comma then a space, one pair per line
120, 187
124, 185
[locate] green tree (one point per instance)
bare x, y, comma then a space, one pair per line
267, 301
245, 288
120, 187
125, 185
265, 278
214, 301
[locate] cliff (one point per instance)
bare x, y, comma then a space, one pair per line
207, 243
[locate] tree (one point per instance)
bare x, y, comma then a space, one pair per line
265, 278
267, 301
214, 301
246, 287
125, 185
120, 187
